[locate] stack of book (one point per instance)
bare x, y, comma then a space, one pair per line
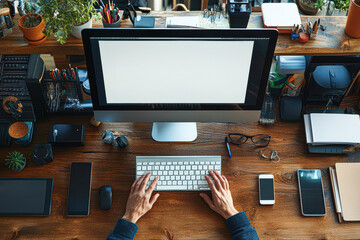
328, 132
345, 179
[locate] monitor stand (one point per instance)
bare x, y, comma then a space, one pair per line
174, 131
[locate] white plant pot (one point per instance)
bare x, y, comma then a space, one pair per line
76, 30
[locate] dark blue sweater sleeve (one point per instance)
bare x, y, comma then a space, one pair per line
240, 227
124, 230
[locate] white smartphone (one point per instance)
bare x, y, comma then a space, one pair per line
266, 189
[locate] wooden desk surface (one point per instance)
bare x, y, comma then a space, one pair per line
180, 215
331, 42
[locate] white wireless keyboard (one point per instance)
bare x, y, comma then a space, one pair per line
178, 173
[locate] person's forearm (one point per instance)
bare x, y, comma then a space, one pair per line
240, 227
124, 230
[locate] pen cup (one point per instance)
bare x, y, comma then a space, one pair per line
313, 35
112, 25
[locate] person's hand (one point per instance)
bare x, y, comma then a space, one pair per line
221, 202
140, 200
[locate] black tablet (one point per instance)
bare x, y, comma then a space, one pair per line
25, 196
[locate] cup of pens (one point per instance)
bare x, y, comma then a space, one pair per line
110, 16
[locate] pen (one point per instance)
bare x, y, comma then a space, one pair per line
227, 146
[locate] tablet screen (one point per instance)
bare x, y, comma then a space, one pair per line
25, 196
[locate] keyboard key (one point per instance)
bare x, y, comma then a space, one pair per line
201, 182
170, 188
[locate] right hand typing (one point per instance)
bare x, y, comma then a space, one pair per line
221, 202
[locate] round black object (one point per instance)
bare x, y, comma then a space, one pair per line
122, 141
290, 109
42, 154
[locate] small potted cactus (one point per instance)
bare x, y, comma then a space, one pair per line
15, 161
32, 25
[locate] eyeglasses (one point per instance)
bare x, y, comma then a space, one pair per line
259, 140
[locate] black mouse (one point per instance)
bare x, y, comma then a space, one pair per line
105, 196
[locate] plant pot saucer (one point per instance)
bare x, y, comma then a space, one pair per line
35, 43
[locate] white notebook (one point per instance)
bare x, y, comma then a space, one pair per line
280, 15
329, 128
182, 22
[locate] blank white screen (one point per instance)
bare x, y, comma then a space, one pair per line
176, 71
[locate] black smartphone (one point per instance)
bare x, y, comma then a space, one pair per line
311, 192
79, 189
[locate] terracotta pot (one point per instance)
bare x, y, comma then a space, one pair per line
352, 27
34, 34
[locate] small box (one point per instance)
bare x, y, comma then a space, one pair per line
66, 135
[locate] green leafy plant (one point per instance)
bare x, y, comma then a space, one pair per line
61, 15
319, 4
342, 5
31, 21
15, 160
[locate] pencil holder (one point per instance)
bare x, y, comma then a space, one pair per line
111, 25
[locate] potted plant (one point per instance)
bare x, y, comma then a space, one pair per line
67, 17
338, 7
310, 7
352, 27
31, 24
15, 161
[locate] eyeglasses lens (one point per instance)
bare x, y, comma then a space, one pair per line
261, 140
238, 139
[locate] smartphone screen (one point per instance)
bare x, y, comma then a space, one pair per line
311, 193
266, 189
79, 189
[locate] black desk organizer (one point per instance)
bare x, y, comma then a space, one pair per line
63, 94
239, 13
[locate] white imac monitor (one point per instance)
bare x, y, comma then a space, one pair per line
176, 77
